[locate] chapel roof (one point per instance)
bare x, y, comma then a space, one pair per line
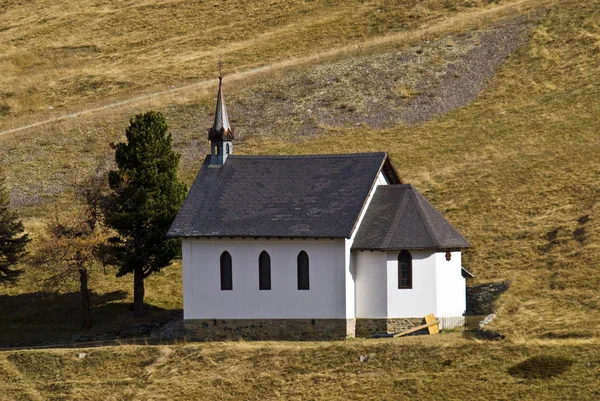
399, 217
312, 196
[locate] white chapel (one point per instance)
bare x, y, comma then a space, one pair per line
325, 246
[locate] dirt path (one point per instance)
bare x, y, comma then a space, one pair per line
458, 22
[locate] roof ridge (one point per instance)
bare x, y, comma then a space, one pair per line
424, 219
395, 220
312, 156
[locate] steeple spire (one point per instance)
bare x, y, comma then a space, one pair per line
221, 133
221, 127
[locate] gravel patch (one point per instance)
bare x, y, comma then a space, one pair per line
465, 79
407, 85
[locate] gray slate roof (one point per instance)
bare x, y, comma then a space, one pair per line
399, 217
280, 196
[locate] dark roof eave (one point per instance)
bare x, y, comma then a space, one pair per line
182, 236
390, 171
444, 249
391, 174
466, 274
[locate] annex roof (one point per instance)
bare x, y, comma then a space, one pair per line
399, 217
317, 196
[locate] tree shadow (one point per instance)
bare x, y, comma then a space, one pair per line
40, 318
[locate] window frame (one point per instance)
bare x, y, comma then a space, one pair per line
303, 268
223, 266
401, 261
264, 269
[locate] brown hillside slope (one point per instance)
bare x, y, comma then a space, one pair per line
66, 53
517, 170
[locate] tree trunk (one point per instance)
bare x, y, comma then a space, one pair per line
85, 298
138, 292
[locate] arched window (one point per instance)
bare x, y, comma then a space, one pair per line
303, 277
227, 147
404, 270
264, 271
226, 272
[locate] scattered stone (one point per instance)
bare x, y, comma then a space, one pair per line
491, 335
481, 298
488, 319
364, 358
82, 355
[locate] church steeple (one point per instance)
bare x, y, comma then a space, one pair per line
221, 133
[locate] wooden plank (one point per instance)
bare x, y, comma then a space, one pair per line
421, 327
432, 329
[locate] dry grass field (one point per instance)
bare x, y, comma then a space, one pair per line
442, 368
489, 108
66, 53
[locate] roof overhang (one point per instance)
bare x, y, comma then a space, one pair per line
466, 274
392, 177
409, 249
223, 236
390, 171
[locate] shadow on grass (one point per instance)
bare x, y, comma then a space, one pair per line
45, 318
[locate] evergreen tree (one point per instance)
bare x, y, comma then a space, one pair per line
12, 238
146, 195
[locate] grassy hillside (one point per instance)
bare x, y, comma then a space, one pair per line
515, 167
446, 368
63, 54
517, 171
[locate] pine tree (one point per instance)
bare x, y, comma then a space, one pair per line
146, 195
13, 240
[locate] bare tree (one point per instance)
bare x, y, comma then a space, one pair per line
68, 250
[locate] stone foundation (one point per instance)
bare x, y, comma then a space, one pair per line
269, 329
368, 327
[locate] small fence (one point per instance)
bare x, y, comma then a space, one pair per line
463, 323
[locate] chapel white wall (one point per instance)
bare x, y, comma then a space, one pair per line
451, 289
349, 276
204, 299
420, 300
437, 285
371, 284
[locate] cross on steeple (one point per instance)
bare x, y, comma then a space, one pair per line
220, 63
